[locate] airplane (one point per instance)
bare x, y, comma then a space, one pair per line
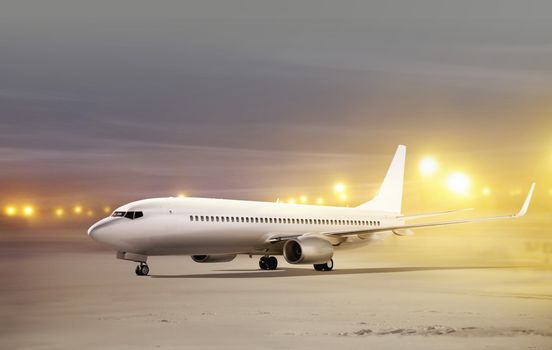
217, 230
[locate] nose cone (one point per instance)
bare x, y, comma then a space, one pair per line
99, 230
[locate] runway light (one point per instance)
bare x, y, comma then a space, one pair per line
107, 210
428, 166
77, 209
458, 183
339, 187
90, 213
59, 212
181, 195
303, 199
10, 210
320, 201
28, 210
291, 201
343, 196
486, 191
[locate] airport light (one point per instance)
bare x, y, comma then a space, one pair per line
304, 199
28, 210
428, 166
320, 201
291, 201
343, 196
486, 191
458, 183
181, 195
59, 212
90, 213
107, 210
77, 210
339, 187
10, 210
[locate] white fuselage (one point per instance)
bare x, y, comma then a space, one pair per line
190, 226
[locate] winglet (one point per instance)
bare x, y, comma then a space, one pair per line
525, 206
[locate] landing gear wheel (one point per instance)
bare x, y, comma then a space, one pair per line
328, 266
268, 263
272, 263
263, 263
142, 270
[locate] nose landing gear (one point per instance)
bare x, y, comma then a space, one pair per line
268, 263
142, 269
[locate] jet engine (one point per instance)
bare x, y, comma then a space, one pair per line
308, 250
213, 258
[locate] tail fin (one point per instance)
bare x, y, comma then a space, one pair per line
389, 197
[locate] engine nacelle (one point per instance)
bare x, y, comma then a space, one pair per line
217, 258
308, 250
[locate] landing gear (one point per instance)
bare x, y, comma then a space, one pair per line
142, 269
328, 266
268, 263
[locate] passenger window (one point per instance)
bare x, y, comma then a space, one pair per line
191, 218
202, 218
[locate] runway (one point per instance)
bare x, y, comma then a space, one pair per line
69, 293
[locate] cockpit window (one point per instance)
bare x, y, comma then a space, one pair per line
128, 214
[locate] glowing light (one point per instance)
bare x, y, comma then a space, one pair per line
428, 166
291, 201
10, 211
28, 210
458, 183
107, 210
77, 209
90, 213
181, 195
343, 196
486, 191
320, 200
515, 192
59, 212
339, 187
304, 199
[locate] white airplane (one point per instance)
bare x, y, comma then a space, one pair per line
216, 230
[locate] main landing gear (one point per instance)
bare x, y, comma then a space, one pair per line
142, 269
268, 263
328, 266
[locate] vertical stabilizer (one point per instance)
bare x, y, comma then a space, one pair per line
389, 197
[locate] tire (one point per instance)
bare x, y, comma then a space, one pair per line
272, 263
144, 270
328, 266
263, 263
138, 271
319, 267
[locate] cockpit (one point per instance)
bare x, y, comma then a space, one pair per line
128, 214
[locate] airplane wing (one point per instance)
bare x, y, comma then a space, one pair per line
431, 214
396, 229
520, 213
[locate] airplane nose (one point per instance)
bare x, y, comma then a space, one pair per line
91, 230
95, 231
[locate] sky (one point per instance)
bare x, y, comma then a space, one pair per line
103, 102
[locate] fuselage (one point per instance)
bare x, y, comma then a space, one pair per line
190, 226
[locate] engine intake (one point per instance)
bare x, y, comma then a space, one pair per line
213, 258
308, 250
